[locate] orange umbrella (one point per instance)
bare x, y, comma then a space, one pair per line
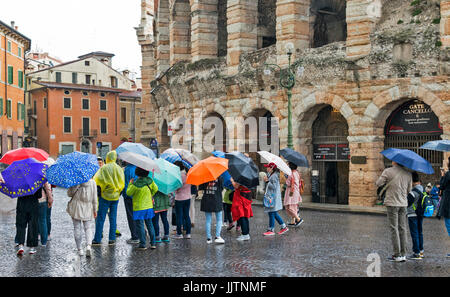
207, 170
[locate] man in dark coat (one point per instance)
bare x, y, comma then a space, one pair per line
444, 208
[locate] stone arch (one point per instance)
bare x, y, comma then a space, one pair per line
387, 101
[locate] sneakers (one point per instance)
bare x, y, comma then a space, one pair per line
243, 237
282, 231
20, 251
32, 251
209, 240
118, 234
132, 241
422, 254
219, 240
153, 247
298, 223
178, 236
166, 239
187, 236
80, 252
96, 243
397, 259
448, 256
88, 251
112, 242
415, 257
158, 240
269, 233
142, 247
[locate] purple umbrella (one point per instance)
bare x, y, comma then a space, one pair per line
23, 178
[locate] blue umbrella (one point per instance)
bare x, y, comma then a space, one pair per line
137, 148
409, 159
437, 145
172, 158
72, 169
23, 178
294, 157
226, 175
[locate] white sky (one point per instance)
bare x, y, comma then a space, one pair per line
67, 29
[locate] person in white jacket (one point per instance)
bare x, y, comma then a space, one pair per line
83, 210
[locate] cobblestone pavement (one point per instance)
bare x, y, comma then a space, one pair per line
327, 244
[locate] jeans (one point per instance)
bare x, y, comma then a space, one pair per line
219, 221
42, 221
141, 231
397, 225
49, 220
165, 222
182, 213
103, 207
131, 223
447, 225
245, 225
415, 227
273, 215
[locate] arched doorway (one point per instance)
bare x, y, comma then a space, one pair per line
331, 155
214, 134
409, 126
86, 146
328, 22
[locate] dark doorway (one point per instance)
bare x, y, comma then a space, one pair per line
331, 156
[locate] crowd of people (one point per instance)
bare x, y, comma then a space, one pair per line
146, 207
404, 200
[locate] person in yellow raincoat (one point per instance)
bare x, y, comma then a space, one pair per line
111, 180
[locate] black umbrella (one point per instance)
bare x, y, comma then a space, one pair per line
242, 169
294, 157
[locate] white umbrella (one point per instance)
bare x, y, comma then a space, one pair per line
49, 162
271, 158
140, 161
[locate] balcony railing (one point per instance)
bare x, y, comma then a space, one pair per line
87, 133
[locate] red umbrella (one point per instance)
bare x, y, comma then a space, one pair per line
24, 153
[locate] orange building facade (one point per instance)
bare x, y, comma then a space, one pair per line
13, 47
73, 118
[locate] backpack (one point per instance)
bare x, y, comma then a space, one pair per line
425, 206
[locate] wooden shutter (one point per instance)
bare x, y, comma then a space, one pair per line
10, 75
1, 107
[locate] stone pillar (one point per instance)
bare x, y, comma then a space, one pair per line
180, 31
242, 28
292, 26
359, 25
162, 37
445, 23
204, 30
362, 177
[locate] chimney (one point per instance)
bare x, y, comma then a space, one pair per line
12, 24
126, 73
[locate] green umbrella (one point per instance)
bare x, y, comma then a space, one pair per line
169, 179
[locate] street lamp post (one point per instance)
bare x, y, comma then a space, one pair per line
287, 81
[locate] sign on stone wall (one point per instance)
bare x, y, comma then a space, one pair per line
331, 152
413, 117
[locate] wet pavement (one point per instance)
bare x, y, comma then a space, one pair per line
331, 244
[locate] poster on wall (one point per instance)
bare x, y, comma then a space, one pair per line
325, 152
413, 117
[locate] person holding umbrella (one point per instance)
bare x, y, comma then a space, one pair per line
82, 208
398, 183
292, 195
444, 207
272, 200
111, 179
142, 190
182, 205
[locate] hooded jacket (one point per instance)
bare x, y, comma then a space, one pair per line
110, 178
84, 201
142, 190
413, 196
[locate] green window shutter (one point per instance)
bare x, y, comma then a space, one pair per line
1, 107
8, 108
23, 111
20, 79
18, 111
10, 75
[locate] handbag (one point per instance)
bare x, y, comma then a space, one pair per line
268, 202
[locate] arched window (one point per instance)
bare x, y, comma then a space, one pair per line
328, 22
